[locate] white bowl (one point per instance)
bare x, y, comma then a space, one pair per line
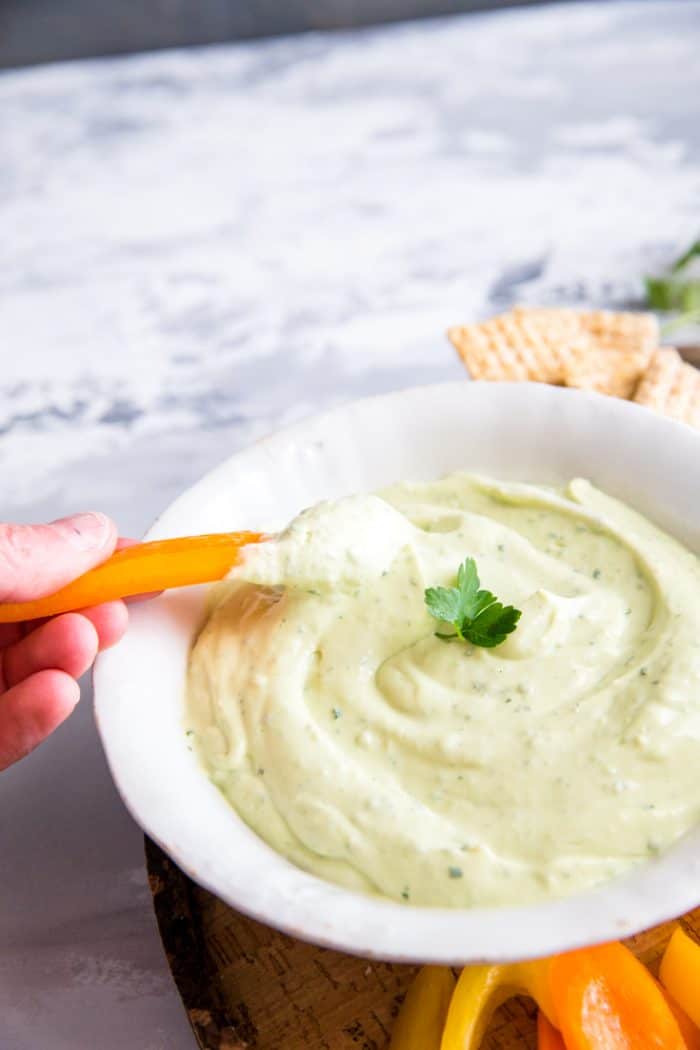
513, 431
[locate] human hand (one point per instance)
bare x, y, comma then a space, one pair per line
40, 661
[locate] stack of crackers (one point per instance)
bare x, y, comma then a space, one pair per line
612, 353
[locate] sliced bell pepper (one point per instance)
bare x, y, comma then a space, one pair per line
599, 998
680, 973
689, 1030
482, 989
139, 569
422, 1016
605, 999
548, 1038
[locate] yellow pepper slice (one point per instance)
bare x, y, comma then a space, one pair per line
422, 1016
482, 989
680, 973
689, 1031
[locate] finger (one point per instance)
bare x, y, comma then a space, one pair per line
110, 626
32, 710
36, 560
10, 633
125, 541
67, 643
145, 597
110, 620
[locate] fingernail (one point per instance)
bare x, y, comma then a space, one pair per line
86, 530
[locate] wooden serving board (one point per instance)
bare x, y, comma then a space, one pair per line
247, 987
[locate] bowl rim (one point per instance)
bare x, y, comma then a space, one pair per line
295, 901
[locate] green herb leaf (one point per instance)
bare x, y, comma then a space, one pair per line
477, 616
468, 580
673, 293
676, 289
493, 625
685, 258
681, 320
444, 603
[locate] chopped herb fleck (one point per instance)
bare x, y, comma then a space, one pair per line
406, 893
454, 872
596, 574
337, 713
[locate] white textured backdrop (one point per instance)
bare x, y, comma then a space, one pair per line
198, 246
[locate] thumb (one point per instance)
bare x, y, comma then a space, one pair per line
36, 560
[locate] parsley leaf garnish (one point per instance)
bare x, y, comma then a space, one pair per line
477, 616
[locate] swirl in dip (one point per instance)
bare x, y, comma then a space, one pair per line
373, 754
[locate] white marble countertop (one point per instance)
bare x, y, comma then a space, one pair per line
198, 246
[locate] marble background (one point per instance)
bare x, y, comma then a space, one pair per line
199, 246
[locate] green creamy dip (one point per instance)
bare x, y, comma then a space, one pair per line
371, 753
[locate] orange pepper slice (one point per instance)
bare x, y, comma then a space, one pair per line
548, 1038
145, 567
605, 999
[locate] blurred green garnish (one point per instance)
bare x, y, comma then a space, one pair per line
677, 289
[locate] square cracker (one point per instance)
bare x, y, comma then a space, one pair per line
671, 387
615, 372
616, 330
622, 331
552, 318
512, 347
550, 345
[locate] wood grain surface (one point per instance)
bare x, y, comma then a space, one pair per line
247, 987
